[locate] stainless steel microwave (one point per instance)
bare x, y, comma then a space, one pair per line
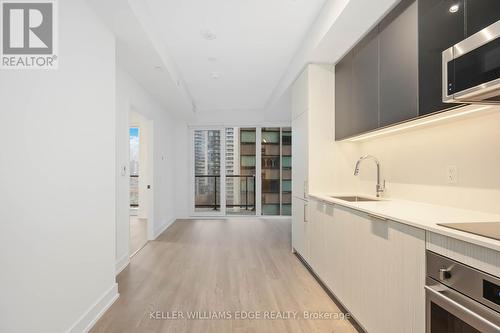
471, 68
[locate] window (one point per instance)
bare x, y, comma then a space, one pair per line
134, 166
207, 147
225, 171
286, 171
240, 171
276, 171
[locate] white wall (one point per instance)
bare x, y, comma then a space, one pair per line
414, 163
183, 169
131, 96
57, 176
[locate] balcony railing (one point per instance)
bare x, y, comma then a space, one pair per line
208, 193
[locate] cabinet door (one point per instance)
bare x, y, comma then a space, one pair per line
365, 84
300, 158
340, 246
337, 249
438, 29
399, 64
480, 14
298, 226
331, 239
316, 237
343, 98
388, 263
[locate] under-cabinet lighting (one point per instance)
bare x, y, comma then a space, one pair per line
421, 122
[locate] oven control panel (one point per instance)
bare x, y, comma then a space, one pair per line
491, 292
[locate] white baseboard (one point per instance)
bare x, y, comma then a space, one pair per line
85, 323
160, 230
122, 263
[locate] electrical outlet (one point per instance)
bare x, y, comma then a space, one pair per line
452, 174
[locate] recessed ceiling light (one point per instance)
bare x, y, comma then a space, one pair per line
454, 8
214, 75
208, 34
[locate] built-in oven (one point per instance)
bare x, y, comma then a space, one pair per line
459, 298
471, 68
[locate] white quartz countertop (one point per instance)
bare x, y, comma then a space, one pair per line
421, 215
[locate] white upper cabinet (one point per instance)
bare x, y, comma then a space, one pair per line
312, 126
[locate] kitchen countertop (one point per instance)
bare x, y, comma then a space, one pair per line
421, 215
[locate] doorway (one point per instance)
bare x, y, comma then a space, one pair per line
139, 183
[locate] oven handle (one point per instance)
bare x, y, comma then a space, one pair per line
470, 315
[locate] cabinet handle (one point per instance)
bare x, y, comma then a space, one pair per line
305, 188
377, 217
305, 212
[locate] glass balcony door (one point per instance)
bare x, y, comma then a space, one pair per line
286, 171
208, 171
240, 167
276, 174
271, 170
241, 171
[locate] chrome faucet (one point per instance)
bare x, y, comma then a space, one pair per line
380, 185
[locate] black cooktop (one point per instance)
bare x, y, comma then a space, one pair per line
486, 229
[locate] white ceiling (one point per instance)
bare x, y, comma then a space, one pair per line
260, 49
255, 41
138, 53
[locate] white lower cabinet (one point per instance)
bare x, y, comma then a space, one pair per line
337, 239
375, 267
299, 227
316, 239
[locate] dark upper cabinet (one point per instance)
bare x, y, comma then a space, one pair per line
365, 84
480, 14
343, 91
399, 65
395, 74
438, 29
356, 89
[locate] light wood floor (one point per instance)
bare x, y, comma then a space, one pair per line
138, 233
219, 265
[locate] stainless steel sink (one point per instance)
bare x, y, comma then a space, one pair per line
354, 198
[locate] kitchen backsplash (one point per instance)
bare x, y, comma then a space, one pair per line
415, 163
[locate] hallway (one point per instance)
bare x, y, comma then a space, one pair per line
220, 265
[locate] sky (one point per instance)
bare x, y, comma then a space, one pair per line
134, 144
134, 131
